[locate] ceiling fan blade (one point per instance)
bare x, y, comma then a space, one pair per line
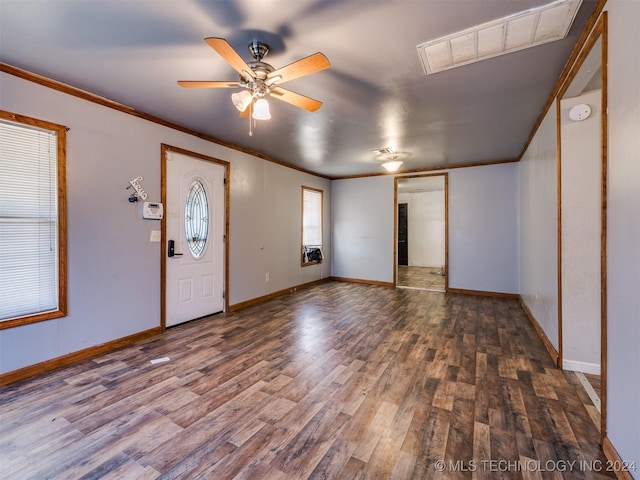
227, 52
296, 99
306, 66
199, 84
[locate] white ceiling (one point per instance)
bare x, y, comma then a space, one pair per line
375, 94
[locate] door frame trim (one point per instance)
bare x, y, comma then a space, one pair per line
600, 30
165, 148
446, 223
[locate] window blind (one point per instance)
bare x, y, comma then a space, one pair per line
28, 220
311, 217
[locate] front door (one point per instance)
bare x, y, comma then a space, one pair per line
195, 232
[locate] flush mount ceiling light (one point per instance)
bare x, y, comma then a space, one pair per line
392, 165
505, 35
391, 159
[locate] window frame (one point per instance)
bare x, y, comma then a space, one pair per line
61, 132
302, 244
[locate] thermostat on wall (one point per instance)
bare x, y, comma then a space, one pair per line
152, 211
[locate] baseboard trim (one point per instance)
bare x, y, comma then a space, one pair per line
483, 293
614, 460
555, 356
366, 282
584, 367
255, 301
73, 357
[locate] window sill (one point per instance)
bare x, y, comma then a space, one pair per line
40, 317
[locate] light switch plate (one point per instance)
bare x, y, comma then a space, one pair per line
156, 236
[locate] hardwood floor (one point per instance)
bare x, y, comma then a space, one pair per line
426, 278
340, 381
588, 388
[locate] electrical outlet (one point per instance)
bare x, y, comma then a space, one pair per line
266, 277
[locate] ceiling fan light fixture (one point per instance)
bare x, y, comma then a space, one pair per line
392, 165
261, 110
241, 100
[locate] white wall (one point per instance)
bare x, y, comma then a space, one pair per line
623, 231
539, 238
580, 157
426, 227
109, 253
539, 227
266, 226
362, 227
483, 226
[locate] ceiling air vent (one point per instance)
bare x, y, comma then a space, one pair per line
505, 35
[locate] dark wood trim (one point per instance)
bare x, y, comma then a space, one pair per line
364, 281
559, 226
553, 353
597, 30
446, 223
565, 71
165, 148
604, 135
394, 257
446, 231
582, 53
61, 132
255, 301
84, 95
439, 168
614, 460
483, 293
163, 237
74, 357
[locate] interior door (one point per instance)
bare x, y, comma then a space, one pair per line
403, 235
195, 238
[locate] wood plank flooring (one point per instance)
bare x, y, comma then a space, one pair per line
426, 278
339, 381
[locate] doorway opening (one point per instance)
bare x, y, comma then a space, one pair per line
421, 232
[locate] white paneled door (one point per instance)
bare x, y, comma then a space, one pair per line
195, 238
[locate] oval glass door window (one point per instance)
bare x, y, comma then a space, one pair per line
196, 219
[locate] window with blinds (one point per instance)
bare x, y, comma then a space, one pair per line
311, 226
30, 220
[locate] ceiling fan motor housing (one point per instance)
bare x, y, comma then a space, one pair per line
261, 69
258, 50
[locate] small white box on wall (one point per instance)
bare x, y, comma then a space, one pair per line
152, 211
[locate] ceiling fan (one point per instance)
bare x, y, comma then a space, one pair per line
259, 79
